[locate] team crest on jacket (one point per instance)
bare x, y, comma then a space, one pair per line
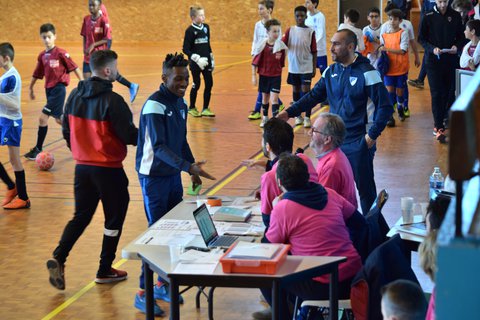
449, 19
353, 80
205, 29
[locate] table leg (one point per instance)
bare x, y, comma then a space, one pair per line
148, 277
174, 303
275, 300
210, 303
334, 294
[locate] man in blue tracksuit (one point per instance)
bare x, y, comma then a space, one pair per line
348, 84
163, 153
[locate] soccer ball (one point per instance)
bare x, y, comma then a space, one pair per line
44, 160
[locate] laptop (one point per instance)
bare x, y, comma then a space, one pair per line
208, 231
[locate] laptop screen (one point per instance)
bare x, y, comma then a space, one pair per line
205, 224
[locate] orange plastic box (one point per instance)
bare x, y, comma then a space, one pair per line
254, 266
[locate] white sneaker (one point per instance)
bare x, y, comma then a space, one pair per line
298, 120
264, 120
307, 123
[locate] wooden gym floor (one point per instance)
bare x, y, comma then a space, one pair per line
405, 157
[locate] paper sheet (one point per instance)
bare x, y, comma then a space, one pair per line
195, 268
166, 237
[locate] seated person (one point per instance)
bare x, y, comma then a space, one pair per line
277, 138
333, 168
311, 219
403, 300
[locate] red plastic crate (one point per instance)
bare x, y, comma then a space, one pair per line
254, 266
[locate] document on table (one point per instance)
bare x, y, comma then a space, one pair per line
173, 224
166, 237
197, 262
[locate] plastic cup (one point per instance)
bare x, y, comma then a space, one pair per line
407, 209
424, 206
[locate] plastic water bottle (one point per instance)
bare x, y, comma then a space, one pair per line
436, 182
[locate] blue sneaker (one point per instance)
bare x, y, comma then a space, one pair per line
141, 304
133, 91
162, 293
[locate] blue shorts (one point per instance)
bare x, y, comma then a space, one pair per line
269, 84
396, 81
11, 132
55, 101
322, 63
298, 79
86, 67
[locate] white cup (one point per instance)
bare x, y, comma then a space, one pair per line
407, 209
424, 206
175, 251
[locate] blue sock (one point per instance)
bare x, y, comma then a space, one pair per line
393, 97
405, 97
400, 101
258, 103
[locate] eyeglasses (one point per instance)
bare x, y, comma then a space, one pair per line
318, 131
374, 16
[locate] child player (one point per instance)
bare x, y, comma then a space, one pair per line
96, 33
350, 19
196, 45
55, 64
395, 44
11, 130
265, 9
268, 62
302, 59
470, 57
316, 21
371, 36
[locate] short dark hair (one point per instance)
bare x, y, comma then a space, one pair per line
374, 10
47, 27
353, 15
174, 60
292, 172
351, 37
6, 50
437, 209
269, 4
101, 58
463, 5
404, 299
315, 3
279, 135
396, 13
271, 22
300, 9
474, 25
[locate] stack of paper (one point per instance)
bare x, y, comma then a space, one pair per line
232, 214
258, 251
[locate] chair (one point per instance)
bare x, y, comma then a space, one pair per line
367, 233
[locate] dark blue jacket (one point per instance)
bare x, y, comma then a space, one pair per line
162, 148
348, 89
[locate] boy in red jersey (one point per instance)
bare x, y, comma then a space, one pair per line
268, 62
55, 64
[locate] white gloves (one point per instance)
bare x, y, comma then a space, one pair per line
201, 61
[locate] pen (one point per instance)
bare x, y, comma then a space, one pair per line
409, 224
146, 242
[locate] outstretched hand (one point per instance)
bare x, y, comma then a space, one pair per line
283, 115
197, 170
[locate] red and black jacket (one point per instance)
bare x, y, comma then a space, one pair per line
98, 124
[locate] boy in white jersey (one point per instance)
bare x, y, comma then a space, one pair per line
11, 129
302, 59
408, 27
371, 36
350, 19
316, 21
265, 9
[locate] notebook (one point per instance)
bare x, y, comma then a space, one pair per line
208, 231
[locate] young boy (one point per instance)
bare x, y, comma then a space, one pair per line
269, 63
96, 33
403, 299
302, 59
371, 36
470, 57
395, 44
350, 19
196, 45
316, 21
408, 27
11, 129
265, 9
55, 64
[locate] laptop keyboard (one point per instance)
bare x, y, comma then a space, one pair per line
224, 241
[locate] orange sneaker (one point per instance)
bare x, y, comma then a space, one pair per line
17, 203
9, 196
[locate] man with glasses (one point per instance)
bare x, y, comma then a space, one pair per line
348, 83
333, 169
